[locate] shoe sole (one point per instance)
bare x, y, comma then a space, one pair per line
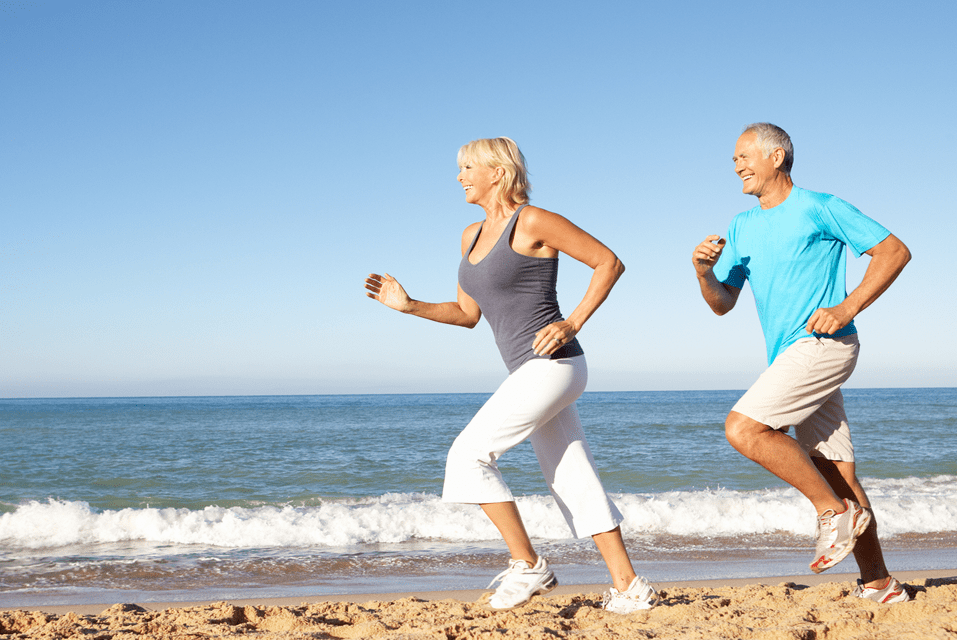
541, 591
640, 606
824, 563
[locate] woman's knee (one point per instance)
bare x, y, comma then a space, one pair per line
458, 453
464, 455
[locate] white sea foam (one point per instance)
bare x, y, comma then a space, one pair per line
908, 505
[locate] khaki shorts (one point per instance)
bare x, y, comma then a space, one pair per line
802, 388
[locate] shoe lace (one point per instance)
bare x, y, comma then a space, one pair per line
645, 594
513, 566
824, 521
608, 596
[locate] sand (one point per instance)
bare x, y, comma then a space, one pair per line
800, 608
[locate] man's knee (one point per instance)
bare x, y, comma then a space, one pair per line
740, 430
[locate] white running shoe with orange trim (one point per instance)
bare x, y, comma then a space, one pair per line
837, 533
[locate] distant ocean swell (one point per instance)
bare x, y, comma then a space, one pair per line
903, 506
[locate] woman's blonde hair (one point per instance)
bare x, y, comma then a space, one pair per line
500, 152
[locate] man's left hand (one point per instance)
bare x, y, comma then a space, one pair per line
829, 320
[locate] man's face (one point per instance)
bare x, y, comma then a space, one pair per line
756, 171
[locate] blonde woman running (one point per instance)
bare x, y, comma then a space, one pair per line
508, 273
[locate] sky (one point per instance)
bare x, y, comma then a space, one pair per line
192, 193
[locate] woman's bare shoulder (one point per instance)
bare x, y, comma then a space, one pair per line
535, 217
470, 231
469, 234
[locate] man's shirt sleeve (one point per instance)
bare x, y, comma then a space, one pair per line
844, 222
729, 270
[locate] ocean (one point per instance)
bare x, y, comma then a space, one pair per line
108, 500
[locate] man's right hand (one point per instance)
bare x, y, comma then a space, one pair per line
706, 254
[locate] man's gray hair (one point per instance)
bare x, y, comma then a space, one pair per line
770, 137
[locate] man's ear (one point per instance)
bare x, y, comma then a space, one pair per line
778, 156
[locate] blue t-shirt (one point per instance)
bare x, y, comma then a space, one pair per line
793, 256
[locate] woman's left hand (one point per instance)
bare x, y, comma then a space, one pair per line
553, 337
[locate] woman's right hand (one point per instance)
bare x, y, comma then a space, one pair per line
388, 291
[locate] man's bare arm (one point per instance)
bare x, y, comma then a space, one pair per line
888, 259
719, 296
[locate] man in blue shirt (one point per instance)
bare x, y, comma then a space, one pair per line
792, 250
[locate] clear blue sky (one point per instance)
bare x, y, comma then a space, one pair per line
193, 192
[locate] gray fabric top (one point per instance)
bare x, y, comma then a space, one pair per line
517, 296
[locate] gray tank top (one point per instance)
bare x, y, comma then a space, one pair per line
517, 296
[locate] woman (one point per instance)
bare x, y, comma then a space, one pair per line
508, 272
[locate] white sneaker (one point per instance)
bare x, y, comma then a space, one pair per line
837, 533
520, 582
639, 595
890, 593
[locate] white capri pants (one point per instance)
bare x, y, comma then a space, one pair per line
536, 401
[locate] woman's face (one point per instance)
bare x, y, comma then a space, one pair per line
480, 182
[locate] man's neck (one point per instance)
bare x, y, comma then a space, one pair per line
778, 193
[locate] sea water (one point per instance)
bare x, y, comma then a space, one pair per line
166, 499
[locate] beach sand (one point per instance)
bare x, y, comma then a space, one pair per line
798, 607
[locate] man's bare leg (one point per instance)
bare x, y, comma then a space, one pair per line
781, 454
842, 477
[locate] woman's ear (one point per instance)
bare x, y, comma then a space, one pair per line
499, 173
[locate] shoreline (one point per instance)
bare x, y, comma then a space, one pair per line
473, 595
771, 608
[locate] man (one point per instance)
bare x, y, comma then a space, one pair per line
791, 248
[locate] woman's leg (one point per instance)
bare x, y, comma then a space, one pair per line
610, 544
537, 401
613, 552
504, 515
572, 477
527, 400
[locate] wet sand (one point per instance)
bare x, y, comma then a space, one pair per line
798, 607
